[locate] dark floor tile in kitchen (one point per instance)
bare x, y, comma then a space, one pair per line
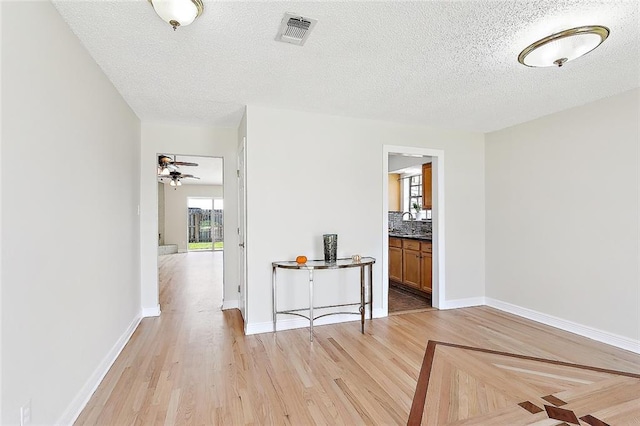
402, 301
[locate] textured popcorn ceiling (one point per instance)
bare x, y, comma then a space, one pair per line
449, 64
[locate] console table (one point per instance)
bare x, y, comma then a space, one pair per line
313, 265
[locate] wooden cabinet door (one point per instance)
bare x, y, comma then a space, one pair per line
411, 268
395, 264
427, 203
425, 284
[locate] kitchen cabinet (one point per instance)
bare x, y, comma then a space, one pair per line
426, 265
395, 259
410, 263
427, 198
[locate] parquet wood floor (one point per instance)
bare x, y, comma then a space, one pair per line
478, 386
193, 365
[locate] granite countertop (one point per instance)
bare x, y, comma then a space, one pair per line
420, 237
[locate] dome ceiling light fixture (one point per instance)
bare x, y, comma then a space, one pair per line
562, 47
178, 13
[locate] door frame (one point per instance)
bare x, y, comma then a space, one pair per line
242, 230
438, 164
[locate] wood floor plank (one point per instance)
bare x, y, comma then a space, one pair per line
193, 365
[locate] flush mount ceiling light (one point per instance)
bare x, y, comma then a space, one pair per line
178, 13
564, 46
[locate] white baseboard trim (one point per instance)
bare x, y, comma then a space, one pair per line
74, 409
289, 324
463, 303
566, 325
230, 304
379, 313
151, 312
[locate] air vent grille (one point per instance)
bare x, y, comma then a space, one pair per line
295, 29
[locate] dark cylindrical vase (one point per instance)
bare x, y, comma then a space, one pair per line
330, 247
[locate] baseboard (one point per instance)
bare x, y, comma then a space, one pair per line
463, 303
379, 313
230, 304
289, 324
74, 409
151, 312
570, 326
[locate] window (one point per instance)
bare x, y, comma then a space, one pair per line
411, 193
415, 191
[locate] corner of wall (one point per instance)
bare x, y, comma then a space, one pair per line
150, 312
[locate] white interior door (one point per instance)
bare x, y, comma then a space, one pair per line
242, 216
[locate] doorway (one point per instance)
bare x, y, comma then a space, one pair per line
413, 229
190, 220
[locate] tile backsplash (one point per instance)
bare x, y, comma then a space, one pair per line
396, 224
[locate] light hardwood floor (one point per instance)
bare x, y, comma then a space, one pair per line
193, 365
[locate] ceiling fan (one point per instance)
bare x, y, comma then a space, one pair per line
176, 177
166, 165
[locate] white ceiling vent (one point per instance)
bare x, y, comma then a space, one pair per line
295, 29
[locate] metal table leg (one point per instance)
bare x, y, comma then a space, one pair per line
311, 305
371, 291
362, 299
273, 298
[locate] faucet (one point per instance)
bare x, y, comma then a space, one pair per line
409, 213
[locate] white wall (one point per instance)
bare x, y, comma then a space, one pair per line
176, 210
70, 187
184, 140
161, 213
310, 174
562, 215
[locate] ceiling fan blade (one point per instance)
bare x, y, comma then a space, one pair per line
184, 163
189, 177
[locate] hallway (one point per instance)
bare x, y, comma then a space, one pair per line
175, 362
190, 282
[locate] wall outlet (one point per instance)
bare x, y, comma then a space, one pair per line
25, 414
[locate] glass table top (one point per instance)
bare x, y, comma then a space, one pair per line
321, 264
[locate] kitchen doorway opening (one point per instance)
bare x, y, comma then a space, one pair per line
413, 229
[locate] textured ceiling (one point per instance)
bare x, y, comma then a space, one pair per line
450, 64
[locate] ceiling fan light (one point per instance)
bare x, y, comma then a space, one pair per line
178, 13
173, 182
567, 45
165, 171
179, 183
